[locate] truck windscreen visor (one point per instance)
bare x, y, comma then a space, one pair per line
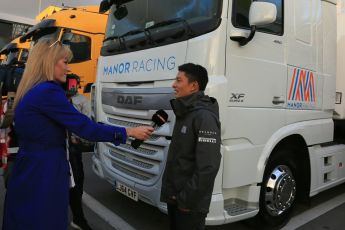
8, 48
42, 26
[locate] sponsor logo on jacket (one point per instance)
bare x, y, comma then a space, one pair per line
207, 140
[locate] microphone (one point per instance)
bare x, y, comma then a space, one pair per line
158, 119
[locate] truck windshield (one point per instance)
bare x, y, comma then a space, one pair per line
187, 18
11, 56
80, 45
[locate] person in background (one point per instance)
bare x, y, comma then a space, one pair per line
75, 150
194, 153
38, 191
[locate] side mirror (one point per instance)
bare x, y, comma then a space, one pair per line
67, 37
120, 9
87, 88
105, 6
120, 12
260, 14
121, 2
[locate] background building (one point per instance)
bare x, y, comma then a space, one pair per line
16, 16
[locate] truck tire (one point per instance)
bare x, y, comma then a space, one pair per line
278, 190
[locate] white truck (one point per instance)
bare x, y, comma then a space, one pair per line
272, 68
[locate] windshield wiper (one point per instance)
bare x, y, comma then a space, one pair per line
111, 38
116, 45
136, 37
166, 23
133, 32
167, 29
127, 40
173, 21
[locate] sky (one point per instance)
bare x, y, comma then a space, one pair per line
26, 10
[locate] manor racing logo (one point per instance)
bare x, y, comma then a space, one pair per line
137, 66
302, 90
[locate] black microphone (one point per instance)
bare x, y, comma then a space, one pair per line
158, 119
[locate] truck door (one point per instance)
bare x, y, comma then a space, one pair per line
257, 72
305, 56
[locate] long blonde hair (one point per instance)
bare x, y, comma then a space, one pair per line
40, 65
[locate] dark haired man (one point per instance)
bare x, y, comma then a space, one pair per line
194, 153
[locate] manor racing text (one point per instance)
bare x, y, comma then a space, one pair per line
149, 65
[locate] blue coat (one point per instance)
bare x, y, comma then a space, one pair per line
37, 194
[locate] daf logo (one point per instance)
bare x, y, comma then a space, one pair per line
129, 100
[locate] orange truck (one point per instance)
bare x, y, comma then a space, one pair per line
14, 51
13, 57
82, 28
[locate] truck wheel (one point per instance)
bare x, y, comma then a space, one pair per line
278, 190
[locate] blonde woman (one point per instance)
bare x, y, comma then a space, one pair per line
37, 194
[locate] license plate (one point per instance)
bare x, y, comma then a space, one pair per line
127, 191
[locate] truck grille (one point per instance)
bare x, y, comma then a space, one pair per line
125, 171
143, 165
131, 125
130, 160
148, 152
124, 123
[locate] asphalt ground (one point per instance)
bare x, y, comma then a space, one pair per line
334, 219
106, 209
94, 220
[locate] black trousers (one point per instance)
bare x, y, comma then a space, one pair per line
76, 193
179, 220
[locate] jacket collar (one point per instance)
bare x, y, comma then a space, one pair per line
183, 105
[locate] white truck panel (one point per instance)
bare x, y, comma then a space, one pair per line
327, 167
210, 50
329, 61
301, 31
340, 86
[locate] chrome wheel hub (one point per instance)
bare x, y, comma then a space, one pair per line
280, 190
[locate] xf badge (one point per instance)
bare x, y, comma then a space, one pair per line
237, 97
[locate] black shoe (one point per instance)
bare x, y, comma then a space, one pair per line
80, 225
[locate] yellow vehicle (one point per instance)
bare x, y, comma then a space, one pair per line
13, 56
82, 28
14, 51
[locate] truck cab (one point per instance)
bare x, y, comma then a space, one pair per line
272, 68
14, 51
72, 27
82, 28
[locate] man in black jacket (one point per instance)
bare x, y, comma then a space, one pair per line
194, 153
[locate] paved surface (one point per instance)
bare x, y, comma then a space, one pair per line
145, 217
94, 220
107, 209
332, 220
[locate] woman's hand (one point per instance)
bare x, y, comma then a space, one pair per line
141, 132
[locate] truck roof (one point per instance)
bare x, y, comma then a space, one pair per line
47, 11
83, 18
13, 45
